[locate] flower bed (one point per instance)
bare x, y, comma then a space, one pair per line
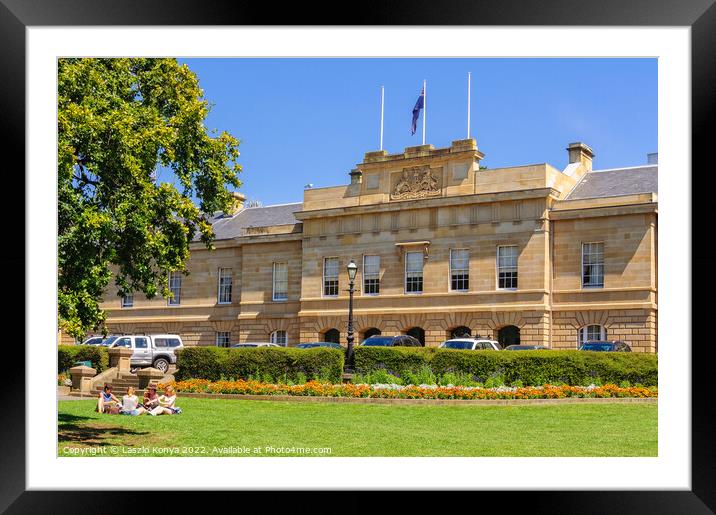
390, 391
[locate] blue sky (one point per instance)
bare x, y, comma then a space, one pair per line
306, 121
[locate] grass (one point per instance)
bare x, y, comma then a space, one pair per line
216, 427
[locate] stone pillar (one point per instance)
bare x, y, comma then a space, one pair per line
82, 378
148, 375
119, 357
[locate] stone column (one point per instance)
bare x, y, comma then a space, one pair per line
148, 375
82, 378
119, 357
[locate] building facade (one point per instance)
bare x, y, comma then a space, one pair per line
528, 254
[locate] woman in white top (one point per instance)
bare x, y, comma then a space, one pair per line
166, 403
129, 403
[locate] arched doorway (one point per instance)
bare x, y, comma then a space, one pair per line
460, 332
418, 333
373, 331
509, 335
332, 335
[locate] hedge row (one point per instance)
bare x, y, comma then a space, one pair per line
266, 363
68, 355
532, 368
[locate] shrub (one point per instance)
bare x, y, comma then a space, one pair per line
457, 379
268, 364
68, 355
396, 360
382, 376
532, 368
423, 376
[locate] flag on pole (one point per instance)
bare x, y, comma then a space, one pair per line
416, 111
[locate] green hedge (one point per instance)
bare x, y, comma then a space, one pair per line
266, 363
532, 368
68, 355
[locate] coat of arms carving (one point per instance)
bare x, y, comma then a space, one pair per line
416, 182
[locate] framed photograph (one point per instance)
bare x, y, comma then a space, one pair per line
231, 222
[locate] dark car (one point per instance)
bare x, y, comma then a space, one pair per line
615, 346
526, 347
313, 345
402, 340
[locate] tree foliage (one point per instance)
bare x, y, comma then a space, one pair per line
119, 121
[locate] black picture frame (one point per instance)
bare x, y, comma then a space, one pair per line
17, 15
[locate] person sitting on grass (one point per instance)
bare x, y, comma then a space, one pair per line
150, 400
106, 400
130, 404
166, 403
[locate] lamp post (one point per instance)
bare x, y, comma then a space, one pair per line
352, 269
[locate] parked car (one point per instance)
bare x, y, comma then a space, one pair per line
601, 346
526, 347
402, 340
313, 345
154, 350
254, 344
470, 344
93, 340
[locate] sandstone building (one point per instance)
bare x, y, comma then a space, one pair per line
527, 254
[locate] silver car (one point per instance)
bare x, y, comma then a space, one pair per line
471, 344
154, 350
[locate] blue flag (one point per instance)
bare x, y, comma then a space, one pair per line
416, 111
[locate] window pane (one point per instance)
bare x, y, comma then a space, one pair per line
593, 264
279, 337
507, 267
280, 281
414, 272
592, 333
225, 285
371, 275
459, 270
223, 338
330, 277
128, 301
175, 287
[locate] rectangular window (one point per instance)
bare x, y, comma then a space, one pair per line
279, 338
414, 272
371, 275
128, 301
507, 267
223, 339
592, 265
330, 277
280, 281
459, 269
225, 283
175, 288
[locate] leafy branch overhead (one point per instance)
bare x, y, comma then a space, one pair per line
121, 121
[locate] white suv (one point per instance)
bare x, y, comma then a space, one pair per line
471, 344
154, 350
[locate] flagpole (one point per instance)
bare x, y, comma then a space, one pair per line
468, 105
382, 103
425, 107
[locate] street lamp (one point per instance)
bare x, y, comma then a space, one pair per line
352, 270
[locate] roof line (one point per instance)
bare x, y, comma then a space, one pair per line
626, 168
274, 205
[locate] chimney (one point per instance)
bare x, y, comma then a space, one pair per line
653, 158
237, 203
356, 176
580, 153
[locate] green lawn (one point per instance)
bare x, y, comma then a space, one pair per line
207, 425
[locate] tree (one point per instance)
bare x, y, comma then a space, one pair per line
119, 121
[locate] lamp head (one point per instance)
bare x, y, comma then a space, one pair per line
352, 269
